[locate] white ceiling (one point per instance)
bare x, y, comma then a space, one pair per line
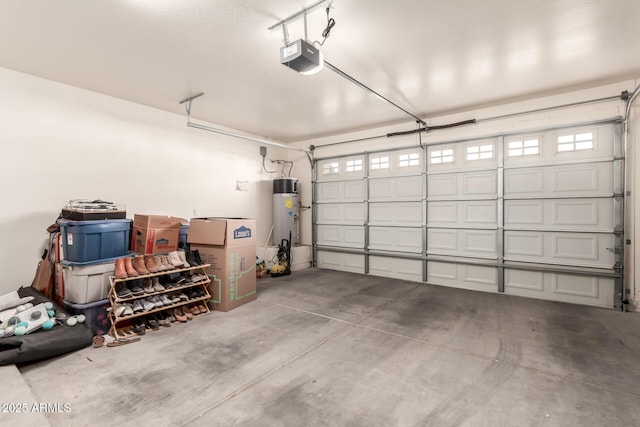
427, 56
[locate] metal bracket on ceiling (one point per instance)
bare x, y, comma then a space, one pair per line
299, 14
188, 100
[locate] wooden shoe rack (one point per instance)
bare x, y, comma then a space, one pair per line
117, 331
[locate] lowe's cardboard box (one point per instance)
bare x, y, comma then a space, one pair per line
155, 234
229, 245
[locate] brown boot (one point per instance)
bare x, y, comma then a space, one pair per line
128, 266
138, 264
150, 264
121, 272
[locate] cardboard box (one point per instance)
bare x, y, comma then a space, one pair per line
229, 245
227, 232
155, 234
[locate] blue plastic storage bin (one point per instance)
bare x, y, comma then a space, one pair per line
96, 315
86, 241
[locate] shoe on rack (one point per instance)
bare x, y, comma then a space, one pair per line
150, 264
147, 305
167, 264
196, 257
157, 261
179, 315
147, 286
190, 258
156, 301
202, 308
121, 272
157, 287
183, 296
162, 320
135, 288
187, 313
174, 298
128, 266
175, 260
138, 264
139, 327
119, 309
183, 258
152, 323
122, 291
194, 310
165, 300
170, 316
137, 306
128, 310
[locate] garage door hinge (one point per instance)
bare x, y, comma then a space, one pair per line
618, 266
615, 250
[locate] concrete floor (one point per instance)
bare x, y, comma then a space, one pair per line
323, 348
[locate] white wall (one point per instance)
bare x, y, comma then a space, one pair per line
60, 143
556, 117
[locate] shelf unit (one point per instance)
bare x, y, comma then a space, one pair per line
115, 299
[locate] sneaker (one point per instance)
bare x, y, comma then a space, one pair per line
135, 288
183, 296
152, 323
174, 298
122, 291
139, 327
165, 300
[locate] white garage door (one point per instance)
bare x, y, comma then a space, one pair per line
536, 214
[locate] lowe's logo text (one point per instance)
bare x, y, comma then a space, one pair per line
242, 233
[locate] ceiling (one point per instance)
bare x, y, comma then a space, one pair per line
427, 56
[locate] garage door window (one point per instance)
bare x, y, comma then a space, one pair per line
380, 162
441, 156
524, 147
480, 152
575, 142
330, 168
354, 165
409, 159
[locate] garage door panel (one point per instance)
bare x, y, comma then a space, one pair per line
461, 242
469, 214
341, 236
340, 191
595, 291
462, 186
405, 269
577, 249
563, 214
591, 179
334, 213
400, 188
395, 239
353, 263
399, 213
463, 276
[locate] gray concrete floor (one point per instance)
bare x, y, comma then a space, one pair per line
323, 348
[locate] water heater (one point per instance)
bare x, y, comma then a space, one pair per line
285, 210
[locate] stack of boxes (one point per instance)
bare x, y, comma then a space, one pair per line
229, 245
87, 259
155, 234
